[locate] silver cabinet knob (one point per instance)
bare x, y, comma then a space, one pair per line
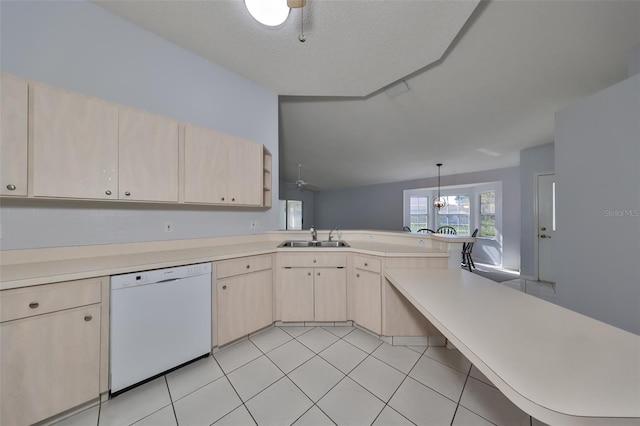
127, 193
543, 229
11, 187
308, 274
233, 199
222, 198
34, 305
366, 264
357, 275
318, 273
248, 266
314, 261
88, 317
545, 236
224, 287
107, 192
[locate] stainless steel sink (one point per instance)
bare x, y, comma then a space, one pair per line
332, 244
323, 244
297, 244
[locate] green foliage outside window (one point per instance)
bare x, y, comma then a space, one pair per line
487, 214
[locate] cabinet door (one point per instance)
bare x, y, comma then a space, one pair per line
206, 166
367, 306
244, 305
296, 294
330, 294
13, 136
75, 146
49, 364
246, 179
147, 156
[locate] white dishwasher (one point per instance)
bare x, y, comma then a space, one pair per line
159, 320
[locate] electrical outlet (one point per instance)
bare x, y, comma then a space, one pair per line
168, 227
254, 224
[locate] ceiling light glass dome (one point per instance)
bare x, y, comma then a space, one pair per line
268, 12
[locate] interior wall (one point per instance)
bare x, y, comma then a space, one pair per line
381, 206
532, 160
597, 157
81, 47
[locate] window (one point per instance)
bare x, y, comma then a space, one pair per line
455, 214
487, 214
290, 214
418, 213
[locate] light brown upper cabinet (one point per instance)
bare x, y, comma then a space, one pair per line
148, 157
75, 145
13, 136
221, 169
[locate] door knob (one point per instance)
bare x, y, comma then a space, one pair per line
543, 229
545, 236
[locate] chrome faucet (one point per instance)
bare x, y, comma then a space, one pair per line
314, 234
337, 232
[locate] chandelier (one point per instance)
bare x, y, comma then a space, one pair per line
439, 202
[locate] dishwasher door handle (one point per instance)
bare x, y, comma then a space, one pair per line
167, 280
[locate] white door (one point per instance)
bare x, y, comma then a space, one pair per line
546, 226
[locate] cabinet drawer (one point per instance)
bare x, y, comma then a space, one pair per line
244, 265
368, 263
313, 260
26, 302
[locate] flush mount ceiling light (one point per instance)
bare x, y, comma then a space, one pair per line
268, 12
439, 202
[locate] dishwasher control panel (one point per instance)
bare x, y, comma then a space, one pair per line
159, 275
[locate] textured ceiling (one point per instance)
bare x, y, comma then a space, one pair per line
494, 90
345, 40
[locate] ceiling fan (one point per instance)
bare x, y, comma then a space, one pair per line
301, 185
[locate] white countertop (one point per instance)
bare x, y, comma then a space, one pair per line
557, 365
35, 273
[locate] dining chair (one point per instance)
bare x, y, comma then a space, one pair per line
467, 248
426, 231
446, 230
406, 229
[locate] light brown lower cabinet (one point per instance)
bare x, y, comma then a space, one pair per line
366, 300
244, 305
313, 294
48, 364
244, 297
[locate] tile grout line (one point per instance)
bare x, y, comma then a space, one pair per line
236, 391
460, 397
173, 407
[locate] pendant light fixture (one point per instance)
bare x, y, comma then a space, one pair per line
439, 202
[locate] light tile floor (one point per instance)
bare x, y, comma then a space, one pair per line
314, 376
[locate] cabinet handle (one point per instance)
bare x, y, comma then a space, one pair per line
34, 305
308, 274
366, 264
318, 273
233, 199
107, 192
248, 266
357, 275
11, 187
88, 317
314, 261
222, 198
224, 287
127, 193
